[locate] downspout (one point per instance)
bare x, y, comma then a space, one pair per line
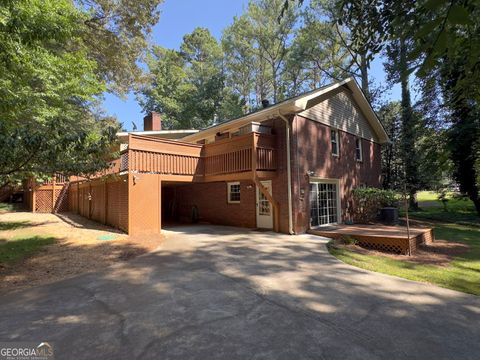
289, 174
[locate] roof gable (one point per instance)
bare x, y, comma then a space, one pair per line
339, 110
301, 103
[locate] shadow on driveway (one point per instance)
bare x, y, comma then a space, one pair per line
213, 292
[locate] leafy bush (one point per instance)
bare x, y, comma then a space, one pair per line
367, 201
348, 240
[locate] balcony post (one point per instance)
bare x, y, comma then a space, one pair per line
254, 153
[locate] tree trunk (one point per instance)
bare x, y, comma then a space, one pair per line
275, 85
388, 168
463, 135
364, 76
477, 205
408, 129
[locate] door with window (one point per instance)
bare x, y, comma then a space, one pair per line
324, 203
264, 207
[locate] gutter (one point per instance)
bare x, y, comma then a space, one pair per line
289, 174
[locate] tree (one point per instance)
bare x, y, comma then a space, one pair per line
203, 57
317, 55
259, 44
390, 115
115, 32
166, 86
464, 133
48, 86
271, 37
188, 86
239, 61
361, 21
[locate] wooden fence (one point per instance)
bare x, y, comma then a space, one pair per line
104, 200
47, 197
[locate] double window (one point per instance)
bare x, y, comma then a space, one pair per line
335, 142
233, 192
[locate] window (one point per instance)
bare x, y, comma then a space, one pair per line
358, 149
233, 192
335, 145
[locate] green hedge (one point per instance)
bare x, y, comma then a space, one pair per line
367, 201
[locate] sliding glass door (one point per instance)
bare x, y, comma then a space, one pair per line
323, 203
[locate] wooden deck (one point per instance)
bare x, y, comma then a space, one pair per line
243, 157
380, 237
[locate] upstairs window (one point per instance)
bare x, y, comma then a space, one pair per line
335, 144
358, 149
233, 192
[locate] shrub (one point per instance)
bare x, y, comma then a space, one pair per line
348, 240
367, 201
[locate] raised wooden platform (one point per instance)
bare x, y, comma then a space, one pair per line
380, 237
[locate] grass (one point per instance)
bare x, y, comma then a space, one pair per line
13, 225
462, 274
6, 207
458, 224
428, 196
458, 210
22, 247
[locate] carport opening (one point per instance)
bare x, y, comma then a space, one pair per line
207, 203
176, 209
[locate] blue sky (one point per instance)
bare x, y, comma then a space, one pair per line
180, 17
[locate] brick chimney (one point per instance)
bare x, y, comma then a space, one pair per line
152, 122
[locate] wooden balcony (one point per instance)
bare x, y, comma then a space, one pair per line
237, 158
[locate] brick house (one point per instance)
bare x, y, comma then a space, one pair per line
287, 167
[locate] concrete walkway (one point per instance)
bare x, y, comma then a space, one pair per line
215, 292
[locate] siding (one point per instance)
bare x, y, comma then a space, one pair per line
340, 111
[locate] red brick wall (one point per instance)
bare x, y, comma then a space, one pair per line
212, 204
280, 179
311, 152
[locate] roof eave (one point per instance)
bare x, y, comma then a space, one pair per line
265, 114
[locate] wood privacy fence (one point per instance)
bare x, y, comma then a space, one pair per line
104, 200
47, 197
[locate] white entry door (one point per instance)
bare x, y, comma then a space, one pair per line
264, 208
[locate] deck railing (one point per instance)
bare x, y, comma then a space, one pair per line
163, 163
244, 153
162, 156
266, 159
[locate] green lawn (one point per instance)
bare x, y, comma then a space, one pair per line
13, 225
8, 207
429, 196
457, 210
458, 224
16, 248
19, 248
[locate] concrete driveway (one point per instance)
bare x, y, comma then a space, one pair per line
214, 292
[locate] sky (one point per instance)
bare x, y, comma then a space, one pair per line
180, 17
